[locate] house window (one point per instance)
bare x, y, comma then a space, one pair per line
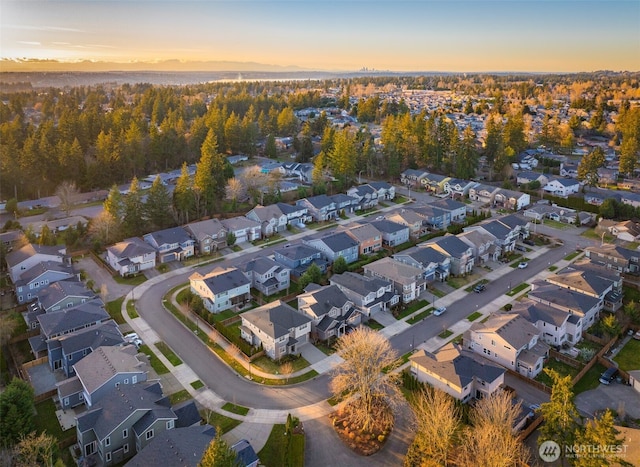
149, 434
89, 448
134, 379
125, 433
81, 396
108, 457
66, 401
107, 441
126, 381
169, 424
125, 448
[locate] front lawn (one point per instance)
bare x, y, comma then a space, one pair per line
130, 280
114, 309
131, 309
154, 361
420, 316
518, 288
180, 396
415, 306
236, 409
570, 256
445, 334
474, 316
168, 353
629, 357
282, 449
373, 324
217, 420
269, 366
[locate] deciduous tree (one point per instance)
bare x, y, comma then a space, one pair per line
67, 192
218, 454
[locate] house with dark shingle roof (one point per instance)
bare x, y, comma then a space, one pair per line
336, 244
408, 218
393, 234
370, 295
615, 257
367, 235
460, 254
298, 258
458, 188
483, 245
408, 280
271, 219
457, 210
435, 264
413, 177
562, 187
222, 289
266, 275
131, 256
26, 257
320, 207
329, 309
553, 323
296, 215
433, 218
462, 374
174, 244
210, 235
276, 326
63, 294
40, 276
385, 190
365, 195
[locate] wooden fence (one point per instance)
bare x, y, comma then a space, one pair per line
532, 382
45, 395
597, 358
36, 362
592, 338
572, 362
524, 434
24, 336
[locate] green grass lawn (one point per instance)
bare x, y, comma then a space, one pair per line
168, 353
114, 309
269, 366
131, 309
130, 280
278, 451
517, 289
412, 309
46, 421
552, 268
236, 409
558, 225
474, 316
324, 348
154, 361
219, 421
197, 384
591, 233
420, 316
629, 357
179, 396
373, 324
570, 256
590, 379
445, 334
562, 368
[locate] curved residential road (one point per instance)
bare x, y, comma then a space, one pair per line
223, 381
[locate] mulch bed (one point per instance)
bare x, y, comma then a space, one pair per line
362, 442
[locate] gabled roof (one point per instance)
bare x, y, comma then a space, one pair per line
104, 363
357, 283
451, 244
260, 265
43, 267
105, 334
560, 296
459, 367
275, 319
203, 229
338, 242
566, 182
363, 232
319, 201
429, 211
266, 213
394, 270
387, 226
169, 236
246, 455
581, 280
511, 327
222, 279
22, 254
298, 252
60, 290
424, 255
405, 215
477, 237
534, 311
496, 228
513, 221
380, 185
614, 250
289, 209
322, 300
448, 204
238, 223
341, 198
180, 446
130, 248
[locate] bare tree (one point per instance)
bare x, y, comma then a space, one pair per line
437, 423
67, 192
491, 441
105, 228
7, 327
34, 449
286, 369
253, 180
361, 379
234, 191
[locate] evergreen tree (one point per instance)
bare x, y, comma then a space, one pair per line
114, 204
16, 411
133, 221
342, 158
218, 454
183, 197
602, 433
270, 149
210, 177
589, 165
158, 205
340, 265
467, 158
560, 413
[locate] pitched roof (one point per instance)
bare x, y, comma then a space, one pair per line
424, 255
130, 248
451, 244
60, 290
361, 285
534, 311
275, 319
338, 241
22, 254
297, 252
555, 295
322, 300
319, 201
394, 270
105, 362
448, 204
496, 228
238, 223
405, 215
43, 267
511, 327
581, 280
266, 213
222, 279
363, 232
260, 265
203, 229
387, 226
172, 235
106, 334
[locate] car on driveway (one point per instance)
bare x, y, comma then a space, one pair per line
529, 242
609, 375
479, 288
523, 265
636, 336
438, 311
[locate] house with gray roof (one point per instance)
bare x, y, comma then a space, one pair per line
336, 244
174, 244
131, 256
435, 264
344, 203
243, 229
434, 182
509, 340
483, 245
460, 254
457, 210
505, 236
410, 219
180, 446
562, 187
370, 295
266, 275
483, 193
365, 195
330, 311
296, 215
433, 218
299, 257
511, 199
26, 257
124, 422
413, 177
526, 177
553, 323
222, 289
209, 235
385, 190
276, 326
460, 373
393, 234
63, 294
408, 280
245, 454
40, 276
320, 207
458, 188
369, 238
271, 219
615, 257
12, 239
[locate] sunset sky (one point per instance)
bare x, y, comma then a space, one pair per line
415, 35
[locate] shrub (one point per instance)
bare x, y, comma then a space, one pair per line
381, 438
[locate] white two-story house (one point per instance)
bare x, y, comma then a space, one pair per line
222, 289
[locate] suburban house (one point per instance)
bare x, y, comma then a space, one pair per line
524, 178
483, 193
172, 244
12, 239
26, 257
457, 210
344, 203
131, 256
336, 244
385, 190
562, 187
510, 199
331, 312
370, 295
615, 257
541, 211
296, 215
393, 234
56, 226
40, 276
554, 324
242, 228
458, 188
413, 177
276, 326
272, 220
408, 218
63, 294
181, 446
434, 263
209, 235
368, 237
366, 196
519, 226
505, 236
482, 244
584, 307
123, 422
462, 374
408, 280
266, 275
99, 372
320, 207
222, 289
509, 340
568, 169
433, 218
434, 183
459, 252
626, 231
298, 258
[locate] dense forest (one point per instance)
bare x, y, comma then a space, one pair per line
100, 135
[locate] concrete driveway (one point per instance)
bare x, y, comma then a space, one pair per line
102, 277
615, 396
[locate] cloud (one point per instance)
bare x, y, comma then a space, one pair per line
26, 27
29, 42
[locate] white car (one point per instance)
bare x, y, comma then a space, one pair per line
438, 311
523, 265
131, 336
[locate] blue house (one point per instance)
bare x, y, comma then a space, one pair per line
298, 258
337, 244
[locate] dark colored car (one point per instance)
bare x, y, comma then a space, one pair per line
528, 241
609, 375
479, 288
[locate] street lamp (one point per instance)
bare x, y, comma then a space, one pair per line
359, 175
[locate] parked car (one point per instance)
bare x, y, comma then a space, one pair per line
479, 288
523, 265
438, 311
636, 336
528, 241
609, 375
520, 248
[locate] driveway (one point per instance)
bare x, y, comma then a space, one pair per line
615, 396
102, 277
529, 394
